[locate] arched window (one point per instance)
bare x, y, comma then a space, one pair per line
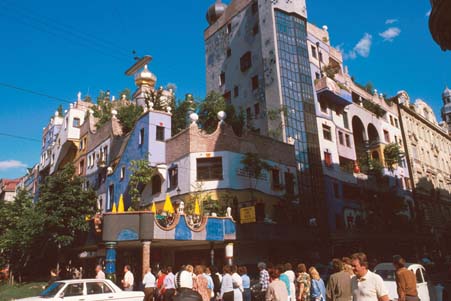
156, 184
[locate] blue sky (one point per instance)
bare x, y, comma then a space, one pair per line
62, 47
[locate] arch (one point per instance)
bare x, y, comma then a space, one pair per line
373, 135
358, 131
156, 184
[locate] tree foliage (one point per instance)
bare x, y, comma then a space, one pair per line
102, 111
180, 114
141, 174
128, 115
254, 167
392, 155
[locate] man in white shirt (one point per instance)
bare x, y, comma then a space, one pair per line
366, 285
169, 285
99, 272
128, 280
149, 284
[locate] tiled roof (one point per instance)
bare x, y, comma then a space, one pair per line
9, 185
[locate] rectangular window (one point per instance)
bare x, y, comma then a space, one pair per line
289, 183
275, 177
105, 154
173, 178
254, 7
229, 52
323, 106
222, 79
257, 110
407, 183
160, 133
345, 120
396, 122
81, 167
386, 136
246, 61
122, 172
340, 138
328, 159
229, 28
227, 96
320, 54
236, 91
255, 82
314, 52
391, 120
209, 169
348, 140
85, 143
76, 122
255, 29
317, 75
327, 133
248, 114
111, 195
141, 137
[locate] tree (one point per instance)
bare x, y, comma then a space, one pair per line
128, 115
392, 155
141, 174
60, 110
126, 92
102, 111
65, 206
254, 167
180, 114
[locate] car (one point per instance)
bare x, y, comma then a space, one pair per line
387, 272
85, 290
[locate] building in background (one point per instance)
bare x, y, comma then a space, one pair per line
440, 23
8, 189
257, 58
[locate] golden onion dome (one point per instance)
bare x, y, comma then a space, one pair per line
145, 77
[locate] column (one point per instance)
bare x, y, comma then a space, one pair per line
229, 253
212, 254
110, 268
146, 256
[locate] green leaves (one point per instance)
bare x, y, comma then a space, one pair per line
392, 155
141, 175
128, 115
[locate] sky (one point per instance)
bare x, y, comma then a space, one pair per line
59, 48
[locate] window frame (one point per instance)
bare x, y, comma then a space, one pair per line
203, 165
160, 133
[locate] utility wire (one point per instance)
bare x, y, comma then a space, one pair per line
19, 137
6, 85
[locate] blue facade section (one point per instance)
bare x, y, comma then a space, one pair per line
182, 232
127, 234
215, 229
110, 267
229, 227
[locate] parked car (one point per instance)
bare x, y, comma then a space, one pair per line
426, 291
87, 290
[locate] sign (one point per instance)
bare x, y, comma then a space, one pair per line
247, 215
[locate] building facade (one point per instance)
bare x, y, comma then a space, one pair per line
8, 189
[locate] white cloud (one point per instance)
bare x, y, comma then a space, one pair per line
362, 48
428, 13
11, 164
390, 34
391, 21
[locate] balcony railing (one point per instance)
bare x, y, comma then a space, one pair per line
331, 91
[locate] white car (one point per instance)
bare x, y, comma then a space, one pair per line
387, 272
85, 290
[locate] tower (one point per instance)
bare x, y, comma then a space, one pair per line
446, 109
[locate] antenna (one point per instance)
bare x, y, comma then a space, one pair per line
139, 64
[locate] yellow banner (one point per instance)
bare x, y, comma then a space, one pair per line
247, 215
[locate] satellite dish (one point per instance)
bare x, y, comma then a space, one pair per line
138, 65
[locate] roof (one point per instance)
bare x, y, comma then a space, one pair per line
9, 185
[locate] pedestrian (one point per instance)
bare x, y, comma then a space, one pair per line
277, 289
284, 278
149, 284
303, 282
53, 277
291, 277
264, 277
347, 267
211, 284
184, 278
169, 285
216, 281
200, 283
128, 280
237, 284
366, 285
339, 284
226, 293
99, 272
247, 296
317, 288
406, 282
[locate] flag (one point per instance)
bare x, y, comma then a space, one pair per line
154, 208
120, 207
168, 205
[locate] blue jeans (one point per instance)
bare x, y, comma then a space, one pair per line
247, 296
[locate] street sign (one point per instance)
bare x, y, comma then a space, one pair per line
247, 215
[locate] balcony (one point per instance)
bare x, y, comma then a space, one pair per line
440, 23
330, 91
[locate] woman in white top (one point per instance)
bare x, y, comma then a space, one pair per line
291, 277
237, 285
227, 293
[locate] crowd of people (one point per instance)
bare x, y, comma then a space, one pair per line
351, 280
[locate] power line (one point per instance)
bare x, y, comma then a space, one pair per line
19, 137
6, 85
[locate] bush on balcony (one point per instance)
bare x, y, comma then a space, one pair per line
373, 108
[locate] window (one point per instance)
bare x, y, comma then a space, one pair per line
222, 79
76, 122
111, 195
122, 172
80, 147
248, 114
255, 82
314, 52
66, 123
94, 288
227, 96
257, 110
105, 154
209, 169
391, 120
229, 28
396, 122
348, 140
328, 159
275, 177
229, 52
81, 167
255, 29
289, 183
340, 138
386, 136
160, 133
320, 54
156, 184
236, 91
173, 177
74, 289
85, 143
327, 134
323, 106
345, 120
254, 7
141, 137
245, 61
317, 75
